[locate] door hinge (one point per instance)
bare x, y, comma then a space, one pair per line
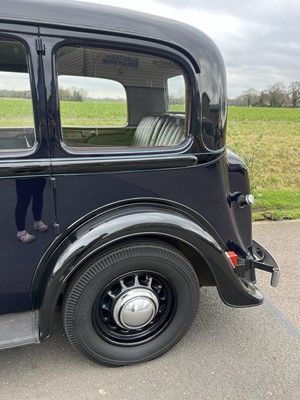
40, 46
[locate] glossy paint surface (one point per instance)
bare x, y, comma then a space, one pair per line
194, 175
121, 26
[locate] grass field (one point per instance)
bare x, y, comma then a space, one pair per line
18, 112
94, 113
15, 112
267, 138
269, 141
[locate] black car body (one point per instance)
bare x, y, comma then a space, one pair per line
133, 211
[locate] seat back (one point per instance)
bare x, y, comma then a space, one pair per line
159, 130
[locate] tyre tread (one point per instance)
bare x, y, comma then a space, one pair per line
118, 253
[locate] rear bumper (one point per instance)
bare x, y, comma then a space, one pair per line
261, 259
264, 261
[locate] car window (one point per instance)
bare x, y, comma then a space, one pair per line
16, 113
119, 99
176, 94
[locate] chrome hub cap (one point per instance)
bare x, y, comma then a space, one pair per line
136, 308
133, 308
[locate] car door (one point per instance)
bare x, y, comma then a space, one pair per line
100, 90
27, 204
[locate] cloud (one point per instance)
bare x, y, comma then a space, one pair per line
259, 39
264, 45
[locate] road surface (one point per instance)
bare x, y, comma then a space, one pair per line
229, 353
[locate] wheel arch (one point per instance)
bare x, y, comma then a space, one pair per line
121, 221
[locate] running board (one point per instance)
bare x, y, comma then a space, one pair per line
18, 329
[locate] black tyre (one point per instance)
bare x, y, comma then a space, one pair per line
131, 304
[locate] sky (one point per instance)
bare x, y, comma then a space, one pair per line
259, 39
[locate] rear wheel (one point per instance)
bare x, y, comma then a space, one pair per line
131, 304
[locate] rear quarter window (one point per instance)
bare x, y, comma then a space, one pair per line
176, 98
112, 98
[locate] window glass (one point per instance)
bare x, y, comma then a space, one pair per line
16, 113
86, 101
113, 98
176, 93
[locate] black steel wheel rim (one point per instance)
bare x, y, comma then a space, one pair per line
103, 310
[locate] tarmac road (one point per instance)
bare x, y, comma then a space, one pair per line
228, 354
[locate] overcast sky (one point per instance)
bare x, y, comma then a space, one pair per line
259, 39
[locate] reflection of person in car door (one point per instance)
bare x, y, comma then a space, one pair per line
27, 190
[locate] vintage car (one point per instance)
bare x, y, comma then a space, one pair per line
119, 197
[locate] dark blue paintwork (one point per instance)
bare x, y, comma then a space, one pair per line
188, 185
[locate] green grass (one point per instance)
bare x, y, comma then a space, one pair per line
93, 113
276, 204
264, 114
270, 148
16, 112
268, 139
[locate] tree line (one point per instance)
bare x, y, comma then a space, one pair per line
72, 94
276, 95
20, 94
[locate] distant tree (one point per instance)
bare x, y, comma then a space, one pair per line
263, 99
65, 94
294, 92
20, 94
277, 94
76, 95
249, 97
83, 93
240, 101
72, 94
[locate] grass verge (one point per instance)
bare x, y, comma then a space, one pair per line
276, 205
268, 139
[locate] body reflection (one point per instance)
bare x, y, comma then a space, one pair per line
29, 190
